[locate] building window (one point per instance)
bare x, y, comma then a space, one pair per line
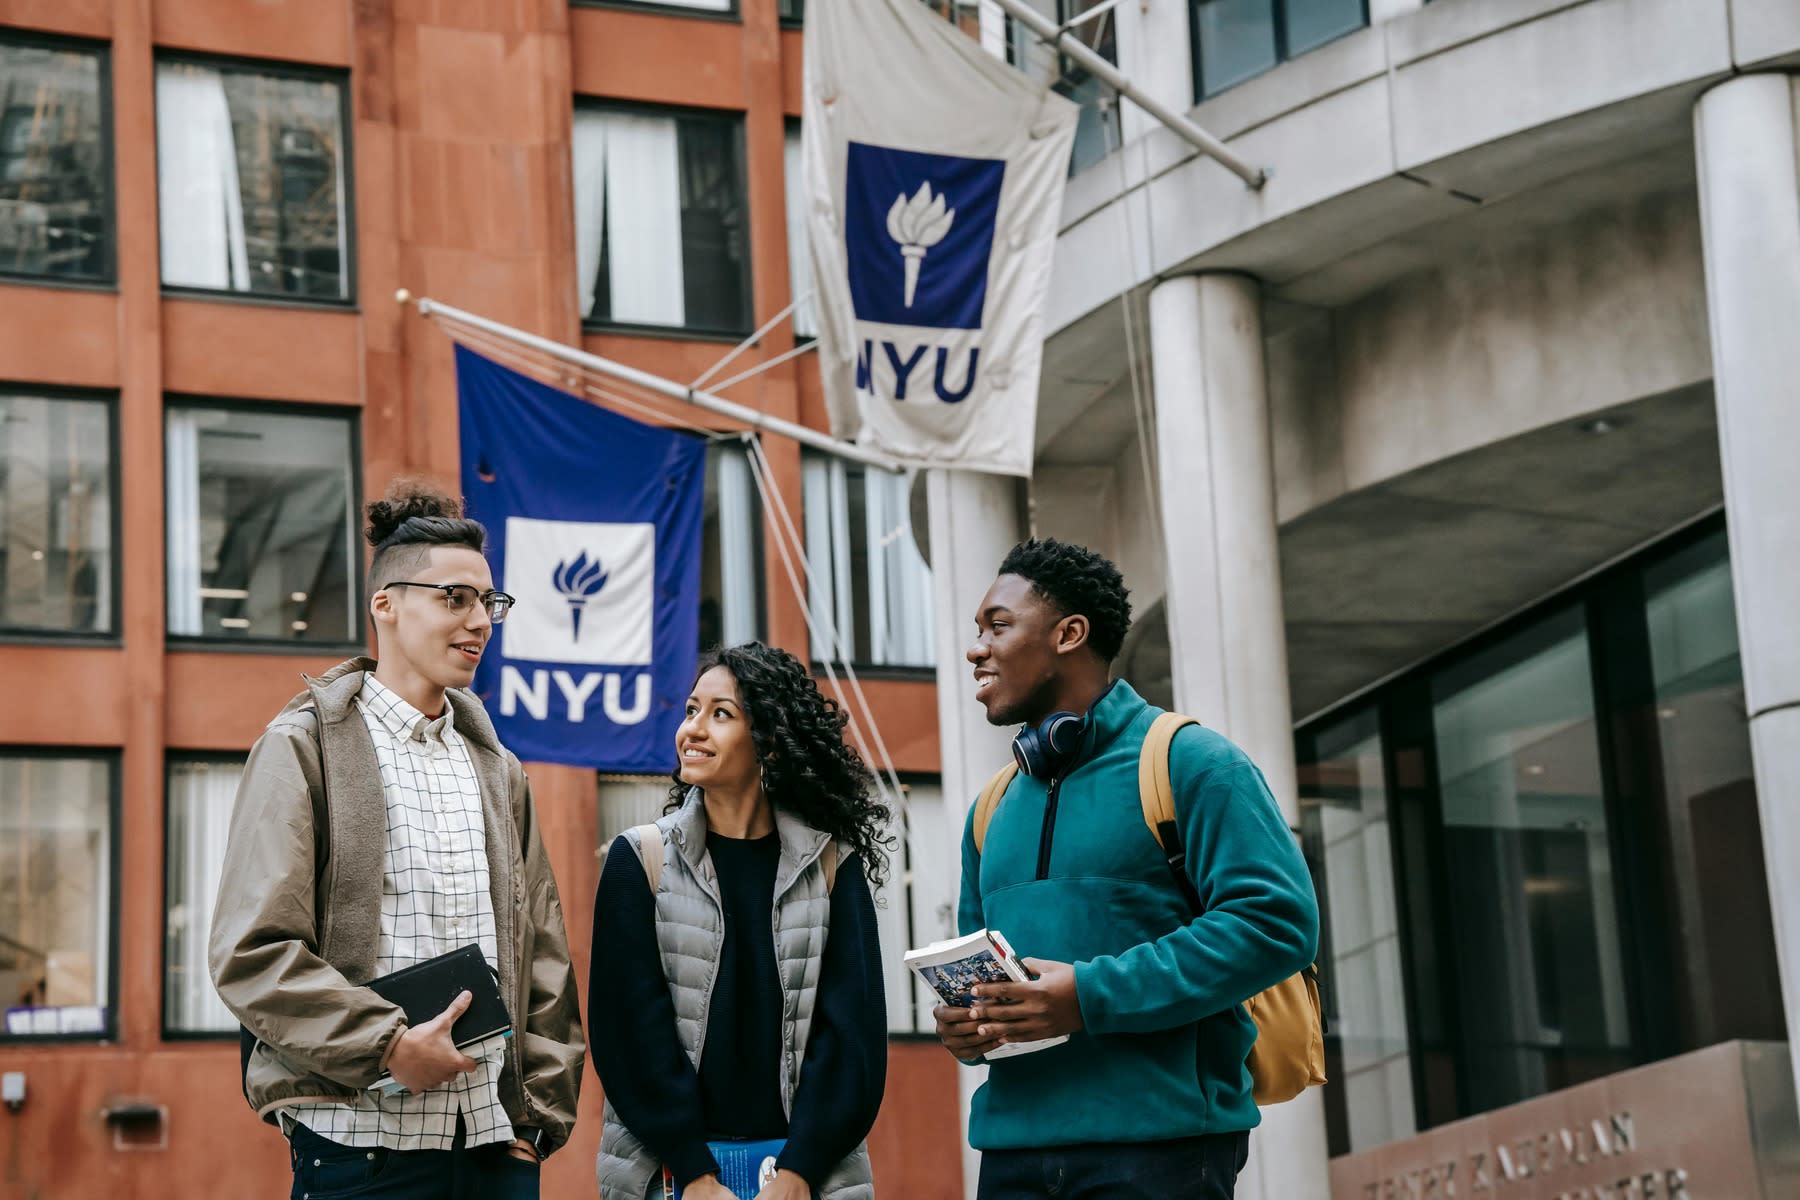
793, 12
1345, 831
662, 228
262, 539
55, 178
200, 797
1097, 131
1719, 875
1237, 39
869, 581
57, 866
731, 609
1525, 836
917, 907
251, 187
56, 515
800, 276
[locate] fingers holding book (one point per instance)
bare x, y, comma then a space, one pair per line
425, 1056
1045, 1006
959, 1030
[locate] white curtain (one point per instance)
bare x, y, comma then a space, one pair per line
200, 206
181, 473
643, 219
200, 799
825, 494
800, 279
737, 547
899, 580
588, 151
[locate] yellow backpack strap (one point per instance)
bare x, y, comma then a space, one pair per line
650, 852
1157, 795
828, 858
989, 800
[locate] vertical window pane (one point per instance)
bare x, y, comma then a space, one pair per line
1234, 40
1541, 987
56, 518
662, 229
627, 800
1721, 885
199, 815
870, 579
1344, 828
261, 526
56, 868
800, 276
55, 214
731, 542
1312, 23
250, 175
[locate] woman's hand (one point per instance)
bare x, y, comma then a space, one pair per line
707, 1187
524, 1151
785, 1186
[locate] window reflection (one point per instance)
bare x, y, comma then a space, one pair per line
54, 209
261, 525
1710, 795
250, 181
1344, 830
56, 517
1539, 975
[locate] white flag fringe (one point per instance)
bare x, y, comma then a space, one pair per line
934, 178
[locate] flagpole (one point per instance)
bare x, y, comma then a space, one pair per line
657, 385
1107, 73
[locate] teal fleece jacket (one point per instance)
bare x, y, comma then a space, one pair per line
1163, 1051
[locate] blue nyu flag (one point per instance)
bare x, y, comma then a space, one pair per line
593, 523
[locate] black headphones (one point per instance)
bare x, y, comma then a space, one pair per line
1049, 749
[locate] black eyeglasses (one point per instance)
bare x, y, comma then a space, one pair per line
459, 596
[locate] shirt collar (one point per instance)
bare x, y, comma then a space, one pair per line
402, 719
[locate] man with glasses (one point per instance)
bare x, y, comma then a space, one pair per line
379, 824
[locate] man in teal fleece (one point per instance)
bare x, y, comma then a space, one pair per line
1150, 1096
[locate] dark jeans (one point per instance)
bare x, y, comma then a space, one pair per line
325, 1170
1196, 1168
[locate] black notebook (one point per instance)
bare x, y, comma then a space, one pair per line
424, 990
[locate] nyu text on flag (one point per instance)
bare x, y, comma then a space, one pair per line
593, 526
933, 177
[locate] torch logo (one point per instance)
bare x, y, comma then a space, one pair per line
918, 224
579, 580
906, 208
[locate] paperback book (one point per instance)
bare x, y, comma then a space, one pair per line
953, 967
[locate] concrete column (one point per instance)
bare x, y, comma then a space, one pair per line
1154, 53
1747, 139
974, 520
1227, 642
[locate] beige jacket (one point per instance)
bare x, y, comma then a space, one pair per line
298, 917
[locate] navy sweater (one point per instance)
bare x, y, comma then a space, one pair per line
675, 1110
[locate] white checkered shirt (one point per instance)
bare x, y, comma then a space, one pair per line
434, 899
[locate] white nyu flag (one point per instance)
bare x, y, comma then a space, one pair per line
934, 177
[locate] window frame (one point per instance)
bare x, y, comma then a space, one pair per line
113, 637
108, 281
172, 758
864, 668
1609, 601
239, 64
737, 120
1279, 19
733, 15
113, 760
359, 567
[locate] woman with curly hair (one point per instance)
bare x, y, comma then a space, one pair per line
735, 991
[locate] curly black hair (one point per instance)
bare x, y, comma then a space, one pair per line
807, 767
1076, 580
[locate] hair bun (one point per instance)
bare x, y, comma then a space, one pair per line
406, 499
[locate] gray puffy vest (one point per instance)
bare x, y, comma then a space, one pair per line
690, 931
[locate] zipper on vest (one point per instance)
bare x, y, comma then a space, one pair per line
1049, 834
